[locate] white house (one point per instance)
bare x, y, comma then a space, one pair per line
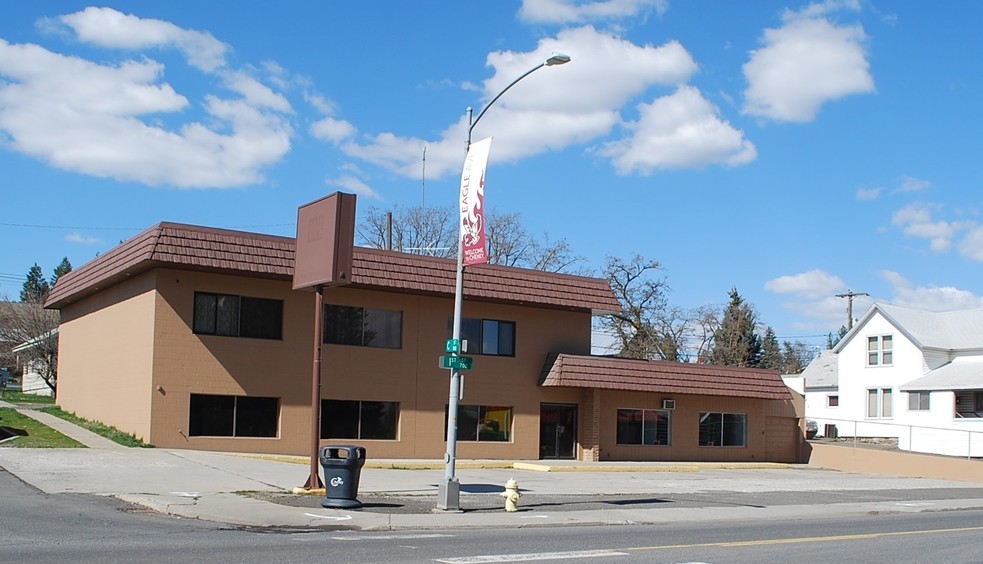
31, 380
822, 394
905, 373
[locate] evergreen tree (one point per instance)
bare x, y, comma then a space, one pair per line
35, 289
832, 340
735, 341
771, 352
64, 267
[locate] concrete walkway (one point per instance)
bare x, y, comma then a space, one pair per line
84, 436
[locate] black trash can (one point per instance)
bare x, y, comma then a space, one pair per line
342, 468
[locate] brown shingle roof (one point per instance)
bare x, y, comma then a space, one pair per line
578, 371
250, 254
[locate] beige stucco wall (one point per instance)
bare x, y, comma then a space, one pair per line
129, 359
773, 430
105, 356
872, 461
186, 363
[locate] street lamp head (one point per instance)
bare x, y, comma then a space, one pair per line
557, 59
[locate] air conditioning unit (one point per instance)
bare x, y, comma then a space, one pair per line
668, 404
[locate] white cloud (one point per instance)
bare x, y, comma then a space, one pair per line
813, 296
678, 131
255, 93
929, 298
915, 220
539, 113
334, 130
911, 184
107, 119
81, 239
107, 27
583, 11
820, 9
804, 64
355, 185
869, 193
813, 284
971, 246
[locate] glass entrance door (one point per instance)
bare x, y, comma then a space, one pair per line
557, 431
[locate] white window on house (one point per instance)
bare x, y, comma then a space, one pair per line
880, 350
918, 401
879, 403
833, 401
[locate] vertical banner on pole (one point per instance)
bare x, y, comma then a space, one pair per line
474, 246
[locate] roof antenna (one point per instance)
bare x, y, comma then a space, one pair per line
849, 295
423, 181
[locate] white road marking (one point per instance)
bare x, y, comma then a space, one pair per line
185, 494
531, 556
343, 518
535, 517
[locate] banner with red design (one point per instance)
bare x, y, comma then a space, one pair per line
474, 246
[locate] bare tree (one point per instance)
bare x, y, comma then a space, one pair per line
433, 231
556, 256
28, 327
706, 320
28, 323
509, 244
641, 289
426, 231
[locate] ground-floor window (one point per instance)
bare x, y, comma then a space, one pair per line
353, 419
643, 427
919, 401
723, 429
879, 403
483, 423
233, 416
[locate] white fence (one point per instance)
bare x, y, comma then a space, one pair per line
964, 439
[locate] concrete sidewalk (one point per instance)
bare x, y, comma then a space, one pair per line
215, 486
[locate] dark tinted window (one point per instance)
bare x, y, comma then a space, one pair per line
233, 416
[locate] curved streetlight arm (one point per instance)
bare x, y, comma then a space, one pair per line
495, 99
556, 59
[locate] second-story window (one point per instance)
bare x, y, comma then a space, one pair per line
487, 336
237, 316
880, 350
363, 327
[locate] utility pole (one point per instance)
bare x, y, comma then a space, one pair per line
849, 295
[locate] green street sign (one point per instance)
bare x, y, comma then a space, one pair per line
456, 362
453, 346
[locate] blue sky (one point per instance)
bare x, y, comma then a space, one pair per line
791, 150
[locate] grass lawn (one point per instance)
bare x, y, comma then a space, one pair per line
111, 433
20, 397
29, 433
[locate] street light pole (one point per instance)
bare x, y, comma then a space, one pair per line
449, 490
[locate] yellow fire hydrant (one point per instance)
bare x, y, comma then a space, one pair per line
511, 495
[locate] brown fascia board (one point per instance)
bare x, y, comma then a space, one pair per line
580, 371
190, 247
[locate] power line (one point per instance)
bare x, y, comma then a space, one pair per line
99, 228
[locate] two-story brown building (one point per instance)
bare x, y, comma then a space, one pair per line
192, 337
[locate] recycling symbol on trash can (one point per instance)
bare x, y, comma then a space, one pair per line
337, 481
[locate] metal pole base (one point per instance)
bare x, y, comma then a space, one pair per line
314, 482
449, 496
